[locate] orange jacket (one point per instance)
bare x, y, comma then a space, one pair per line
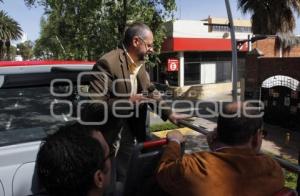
228, 172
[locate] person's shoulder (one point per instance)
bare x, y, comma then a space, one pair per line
112, 55
199, 156
268, 160
110, 60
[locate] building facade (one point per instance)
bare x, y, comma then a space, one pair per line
203, 50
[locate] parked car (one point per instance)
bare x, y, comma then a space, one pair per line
34, 97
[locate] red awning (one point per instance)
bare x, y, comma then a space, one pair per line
199, 44
46, 62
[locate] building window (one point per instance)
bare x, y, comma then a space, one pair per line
192, 73
223, 72
220, 28
207, 72
225, 28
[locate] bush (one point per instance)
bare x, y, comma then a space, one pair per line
162, 127
290, 180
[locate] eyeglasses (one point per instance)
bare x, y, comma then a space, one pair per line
148, 46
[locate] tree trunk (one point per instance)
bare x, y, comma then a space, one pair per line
123, 21
89, 56
7, 44
125, 15
1, 50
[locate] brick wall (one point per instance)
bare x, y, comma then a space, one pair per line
268, 63
294, 52
267, 46
270, 48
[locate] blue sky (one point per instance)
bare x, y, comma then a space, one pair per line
200, 9
29, 19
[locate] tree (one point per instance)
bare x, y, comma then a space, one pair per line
9, 30
85, 29
271, 16
25, 50
13, 52
47, 46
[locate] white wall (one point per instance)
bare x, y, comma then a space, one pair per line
198, 29
208, 73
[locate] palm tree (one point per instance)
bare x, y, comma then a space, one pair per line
9, 30
271, 16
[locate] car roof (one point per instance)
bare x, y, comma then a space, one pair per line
23, 67
36, 73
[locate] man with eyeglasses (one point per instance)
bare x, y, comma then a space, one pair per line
123, 83
234, 167
75, 161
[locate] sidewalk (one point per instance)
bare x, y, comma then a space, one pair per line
276, 142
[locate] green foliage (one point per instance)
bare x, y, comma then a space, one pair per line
25, 50
13, 52
162, 127
86, 29
47, 46
9, 30
290, 180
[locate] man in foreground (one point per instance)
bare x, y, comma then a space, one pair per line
235, 167
74, 161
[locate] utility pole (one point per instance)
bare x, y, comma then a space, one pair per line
234, 52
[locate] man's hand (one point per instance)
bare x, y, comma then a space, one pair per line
175, 136
156, 95
174, 117
138, 98
212, 140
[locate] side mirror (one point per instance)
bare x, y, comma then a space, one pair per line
1, 80
167, 83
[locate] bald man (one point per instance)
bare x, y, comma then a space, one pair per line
123, 84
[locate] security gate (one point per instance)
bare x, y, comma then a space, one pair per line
280, 95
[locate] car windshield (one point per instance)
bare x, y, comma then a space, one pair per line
29, 113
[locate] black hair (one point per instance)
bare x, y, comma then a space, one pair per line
238, 128
135, 29
68, 159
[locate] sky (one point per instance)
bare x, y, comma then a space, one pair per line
29, 18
